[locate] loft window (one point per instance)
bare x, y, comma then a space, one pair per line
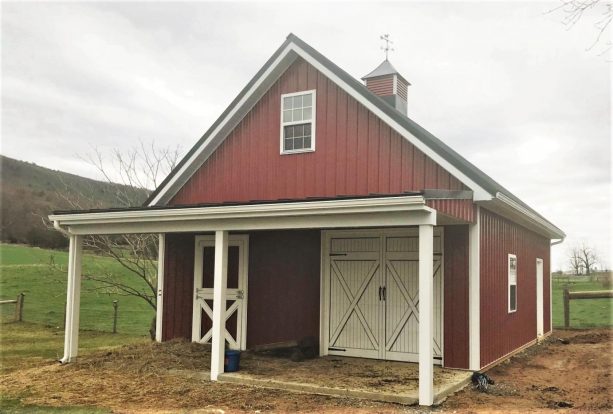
298, 122
512, 283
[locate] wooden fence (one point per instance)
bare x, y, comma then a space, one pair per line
568, 296
18, 306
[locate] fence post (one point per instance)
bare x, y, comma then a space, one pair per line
115, 306
566, 308
19, 308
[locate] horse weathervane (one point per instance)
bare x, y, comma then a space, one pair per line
387, 48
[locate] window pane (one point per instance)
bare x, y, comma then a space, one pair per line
307, 129
287, 116
287, 102
513, 297
298, 143
307, 142
298, 130
298, 101
289, 132
288, 145
306, 100
297, 114
306, 113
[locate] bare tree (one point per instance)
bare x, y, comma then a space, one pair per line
583, 259
133, 174
589, 258
575, 10
574, 260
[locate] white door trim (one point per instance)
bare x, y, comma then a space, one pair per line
540, 302
242, 242
326, 236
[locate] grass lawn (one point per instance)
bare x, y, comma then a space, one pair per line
27, 269
583, 313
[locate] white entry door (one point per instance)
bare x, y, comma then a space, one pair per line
540, 303
236, 291
373, 300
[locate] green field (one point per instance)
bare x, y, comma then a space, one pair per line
28, 270
583, 313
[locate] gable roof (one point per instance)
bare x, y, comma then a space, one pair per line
485, 189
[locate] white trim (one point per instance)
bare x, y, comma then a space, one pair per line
479, 192
313, 94
426, 317
509, 284
242, 242
540, 303
474, 298
73, 300
365, 212
220, 278
159, 309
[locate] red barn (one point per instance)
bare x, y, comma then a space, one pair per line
314, 207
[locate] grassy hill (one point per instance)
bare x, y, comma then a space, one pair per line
30, 192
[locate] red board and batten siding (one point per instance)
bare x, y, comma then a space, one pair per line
283, 301
456, 297
355, 154
503, 332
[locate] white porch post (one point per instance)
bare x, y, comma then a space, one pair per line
160, 297
220, 282
426, 312
73, 300
474, 323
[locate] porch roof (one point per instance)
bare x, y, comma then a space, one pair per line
346, 212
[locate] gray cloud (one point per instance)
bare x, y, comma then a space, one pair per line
503, 83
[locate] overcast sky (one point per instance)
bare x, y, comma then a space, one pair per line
502, 83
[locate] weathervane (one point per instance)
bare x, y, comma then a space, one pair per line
388, 43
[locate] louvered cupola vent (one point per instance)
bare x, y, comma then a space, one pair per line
388, 84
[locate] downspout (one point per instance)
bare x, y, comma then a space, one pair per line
56, 224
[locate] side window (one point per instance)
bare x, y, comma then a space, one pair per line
298, 122
512, 277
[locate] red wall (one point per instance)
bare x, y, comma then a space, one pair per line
178, 286
284, 273
283, 297
503, 332
356, 153
456, 296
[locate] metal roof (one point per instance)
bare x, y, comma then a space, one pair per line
385, 68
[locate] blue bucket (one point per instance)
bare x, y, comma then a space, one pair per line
232, 360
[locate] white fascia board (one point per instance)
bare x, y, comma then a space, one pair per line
512, 210
385, 211
222, 130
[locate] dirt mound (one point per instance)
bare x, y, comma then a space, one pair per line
592, 338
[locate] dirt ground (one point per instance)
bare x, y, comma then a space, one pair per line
150, 378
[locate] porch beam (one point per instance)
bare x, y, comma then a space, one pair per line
159, 308
73, 300
426, 314
220, 282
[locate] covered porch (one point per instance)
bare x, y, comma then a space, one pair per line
220, 227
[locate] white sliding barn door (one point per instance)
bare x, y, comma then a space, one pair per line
373, 297
355, 280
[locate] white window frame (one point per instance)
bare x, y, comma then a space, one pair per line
313, 118
509, 284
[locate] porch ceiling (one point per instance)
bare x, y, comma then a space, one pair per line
339, 213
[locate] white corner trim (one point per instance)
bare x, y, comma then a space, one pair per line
160, 296
480, 194
474, 298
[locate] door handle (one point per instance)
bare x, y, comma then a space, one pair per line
380, 291
384, 292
